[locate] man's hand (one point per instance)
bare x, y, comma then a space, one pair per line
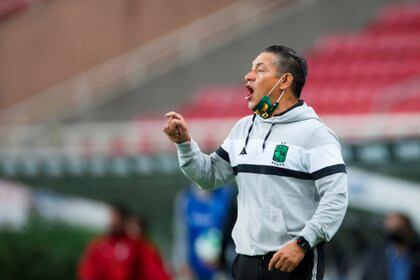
176, 128
287, 258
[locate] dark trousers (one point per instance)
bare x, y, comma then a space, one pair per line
256, 267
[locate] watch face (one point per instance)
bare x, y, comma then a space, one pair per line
303, 243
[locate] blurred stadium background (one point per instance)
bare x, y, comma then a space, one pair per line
84, 86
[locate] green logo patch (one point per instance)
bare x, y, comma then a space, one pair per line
280, 153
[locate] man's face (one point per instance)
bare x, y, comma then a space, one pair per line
394, 222
261, 79
391, 222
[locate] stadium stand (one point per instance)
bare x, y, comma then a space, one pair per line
117, 151
74, 53
356, 73
366, 71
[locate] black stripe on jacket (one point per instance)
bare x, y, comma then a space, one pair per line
279, 171
223, 154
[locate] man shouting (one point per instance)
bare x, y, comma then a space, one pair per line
288, 167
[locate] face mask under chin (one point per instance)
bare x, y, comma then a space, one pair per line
264, 108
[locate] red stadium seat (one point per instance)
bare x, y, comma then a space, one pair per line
348, 73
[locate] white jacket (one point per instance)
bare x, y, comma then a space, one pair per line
290, 174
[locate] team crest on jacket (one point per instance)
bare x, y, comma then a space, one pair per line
280, 154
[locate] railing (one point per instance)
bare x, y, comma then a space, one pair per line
126, 71
146, 137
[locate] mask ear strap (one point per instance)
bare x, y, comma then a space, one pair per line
281, 95
281, 78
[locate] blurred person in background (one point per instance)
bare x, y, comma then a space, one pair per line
112, 256
150, 265
398, 258
228, 254
199, 221
289, 170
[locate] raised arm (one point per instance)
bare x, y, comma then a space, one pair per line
207, 171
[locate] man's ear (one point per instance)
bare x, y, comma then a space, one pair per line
287, 81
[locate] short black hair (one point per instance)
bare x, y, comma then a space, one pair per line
290, 61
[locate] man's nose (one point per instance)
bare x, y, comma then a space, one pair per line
250, 76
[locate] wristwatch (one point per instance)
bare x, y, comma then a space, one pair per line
303, 243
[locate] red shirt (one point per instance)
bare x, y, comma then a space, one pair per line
110, 258
151, 266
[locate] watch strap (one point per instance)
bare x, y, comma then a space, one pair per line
303, 243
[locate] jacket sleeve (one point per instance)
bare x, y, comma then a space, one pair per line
328, 171
207, 171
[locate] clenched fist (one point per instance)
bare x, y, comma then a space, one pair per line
176, 128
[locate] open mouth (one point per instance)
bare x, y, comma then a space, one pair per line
250, 93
